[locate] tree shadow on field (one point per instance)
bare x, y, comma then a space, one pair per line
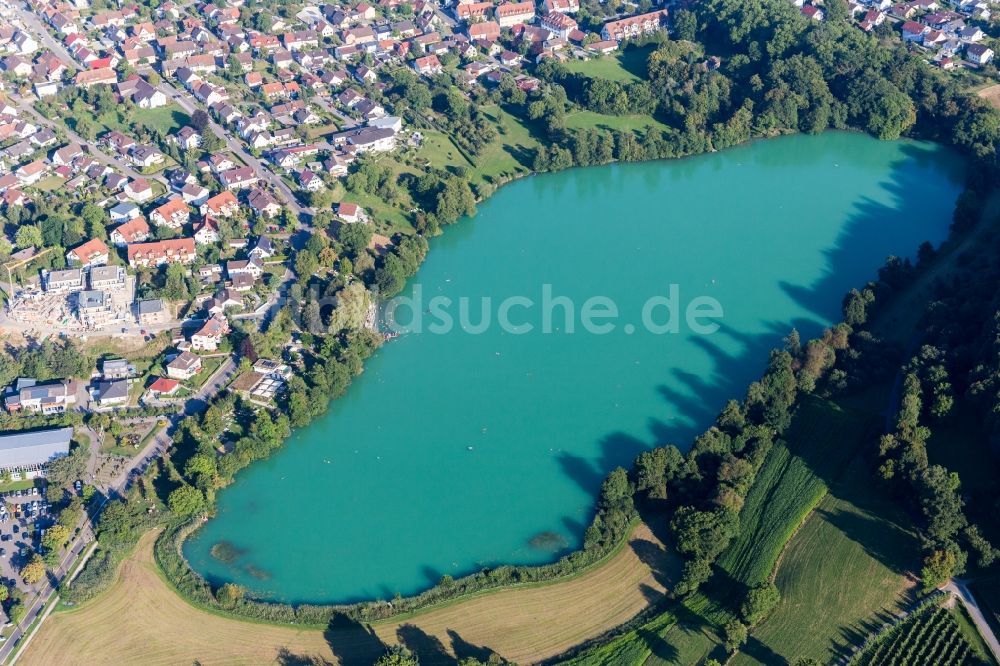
853, 636
653, 556
353, 643
429, 649
762, 652
464, 649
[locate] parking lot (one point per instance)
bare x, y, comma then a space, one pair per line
22, 514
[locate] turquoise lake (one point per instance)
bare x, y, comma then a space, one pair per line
453, 451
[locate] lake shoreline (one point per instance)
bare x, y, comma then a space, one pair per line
566, 558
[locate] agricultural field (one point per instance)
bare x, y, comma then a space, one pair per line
848, 570
931, 636
821, 442
991, 94
141, 620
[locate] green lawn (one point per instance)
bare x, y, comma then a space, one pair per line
49, 184
317, 131
822, 440
628, 65
165, 120
843, 574
509, 156
23, 484
209, 364
968, 629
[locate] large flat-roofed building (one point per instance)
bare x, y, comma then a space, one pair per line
48, 398
28, 452
57, 282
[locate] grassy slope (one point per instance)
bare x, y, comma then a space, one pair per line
843, 574
140, 620
822, 439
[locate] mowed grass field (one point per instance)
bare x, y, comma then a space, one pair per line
821, 441
991, 94
628, 65
844, 574
140, 620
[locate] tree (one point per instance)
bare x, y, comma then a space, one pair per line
63, 472
939, 567
200, 120
186, 501
354, 238
686, 24
229, 595
397, 655
34, 570
735, 634
760, 601
175, 287
28, 236
55, 537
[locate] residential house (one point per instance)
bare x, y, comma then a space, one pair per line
263, 203
113, 393
116, 368
184, 366
634, 26
211, 334
238, 179
979, 54
206, 232
512, 13
351, 212
48, 398
134, 231
151, 311
162, 386
252, 266
139, 190
174, 250
62, 281
92, 253
223, 204
173, 214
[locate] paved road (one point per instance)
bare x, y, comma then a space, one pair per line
188, 103
961, 590
35, 25
46, 593
26, 106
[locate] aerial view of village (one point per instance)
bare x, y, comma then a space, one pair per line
216, 446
